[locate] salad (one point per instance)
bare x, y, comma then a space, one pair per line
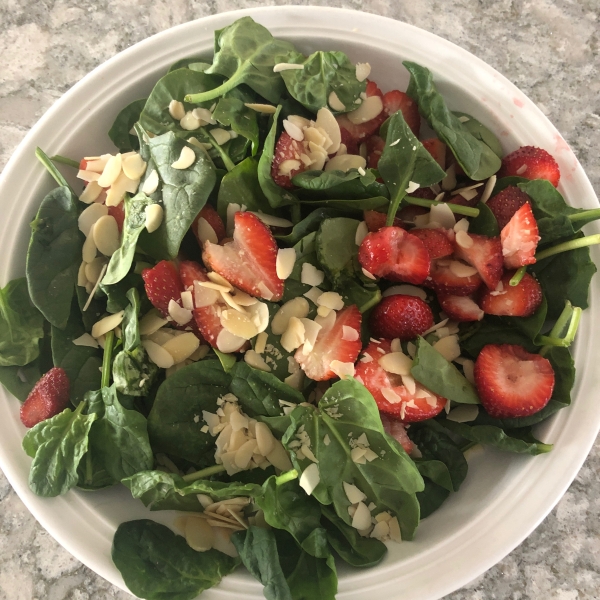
286, 306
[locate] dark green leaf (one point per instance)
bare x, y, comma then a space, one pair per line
331, 185
356, 205
124, 122
309, 224
492, 331
336, 248
232, 112
481, 132
92, 474
313, 578
19, 381
195, 63
503, 182
485, 222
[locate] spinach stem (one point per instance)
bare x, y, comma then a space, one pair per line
287, 476
203, 473
468, 446
519, 274
107, 359
212, 94
51, 168
569, 318
458, 209
57, 158
593, 213
229, 164
589, 240
393, 209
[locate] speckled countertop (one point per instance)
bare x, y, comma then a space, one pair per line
549, 48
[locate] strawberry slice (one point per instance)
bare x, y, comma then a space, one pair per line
282, 171
402, 399
49, 396
118, 212
506, 203
162, 284
394, 254
376, 220
511, 382
353, 134
437, 149
531, 163
436, 242
372, 89
445, 278
397, 430
395, 101
521, 300
520, 238
460, 308
485, 254
375, 146
249, 261
400, 316
211, 216
331, 346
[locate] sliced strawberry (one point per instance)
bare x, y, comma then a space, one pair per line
394, 254
375, 146
506, 203
353, 134
531, 163
249, 261
376, 220
397, 430
460, 308
400, 316
511, 382
520, 300
372, 89
395, 397
437, 149
118, 212
424, 192
520, 239
395, 101
287, 149
49, 396
162, 285
211, 216
485, 254
436, 241
331, 346
347, 139
443, 279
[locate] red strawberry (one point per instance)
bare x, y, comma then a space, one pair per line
520, 239
395, 101
249, 261
214, 220
437, 149
49, 396
162, 285
394, 254
485, 254
531, 163
286, 149
460, 308
394, 396
330, 346
348, 141
436, 241
375, 146
408, 213
372, 89
520, 300
118, 212
376, 220
424, 192
511, 382
506, 203
397, 430
400, 316
444, 280
353, 134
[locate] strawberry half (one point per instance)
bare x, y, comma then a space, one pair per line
397, 430
443, 279
118, 213
402, 399
520, 239
485, 254
437, 149
286, 149
49, 396
400, 316
249, 261
460, 308
331, 346
376, 220
375, 146
394, 254
436, 242
506, 203
211, 216
521, 300
531, 163
511, 382
395, 101
162, 284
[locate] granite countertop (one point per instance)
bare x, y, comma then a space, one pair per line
549, 48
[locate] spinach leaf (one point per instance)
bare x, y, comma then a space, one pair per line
259, 392
124, 122
180, 398
313, 578
309, 224
355, 205
21, 325
184, 192
354, 549
19, 381
247, 53
234, 113
503, 182
485, 222
157, 564
404, 160
92, 475
330, 185
54, 255
324, 73
492, 331
277, 196
57, 446
194, 63
116, 293
95, 310
472, 152
440, 376
346, 411
481, 132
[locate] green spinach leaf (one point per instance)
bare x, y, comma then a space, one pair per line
485, 222
119, 133
331, 185
481, 132
233, 112
309, 224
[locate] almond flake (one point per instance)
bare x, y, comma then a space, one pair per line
106, 235
111, 171
361, 233
221, 136
396, 362
254, 359
370, 108
327, 123
187, 300
181, 316
412, 187
151, 183
238, 324
391, 396
204, 115
279, 67
313, 294
345, 162
86, 340
353, 494
297, 307
154, 217
265, 109
489, 188
310, 275
449, 182
363, 70
293, 337
342, 369
89, 216
349, 334
261, 342
186, 159
463, 239
326, 322
206, 232
406, 290
259, 313
331, 300
189, 122
362, 516
182, 346
272, 221
310, 478
284, 265
441, 213
103, 326
461, 270
204, 296
521, 170
91, 192
448, 347
228, 342
293, 130
134, 166
176, 110
464, 413
335, 102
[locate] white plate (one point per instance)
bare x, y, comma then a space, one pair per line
505, 496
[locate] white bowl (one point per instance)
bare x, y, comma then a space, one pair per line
505, 496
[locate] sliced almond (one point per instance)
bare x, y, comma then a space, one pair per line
176, 110
151, 322
94, 269
465, 413
254, 359
286, 258
103, 326
134, 166
311, 332
106, 235
206, 232
293, 130
349, 334
370, 108
342, 369
335, 102
264, 439
441, 213
181, 316
463, 239
182, 346
293, 337
243, 299
353, 494
89, 216
91, 193
297, 307
220, 135
328, 123
261, 342
363, 70
238, 324
204, 115
449, 182
489, 188
313, 294
279, 458
362, 516
327, 322
310, 275
199, 535
461, 225
190, 122
406, 290
287, 167
345, 162
311, 478
461, 270
151, 183
96, 164
204, 296
394, 526
259, 314
82, 280
273, 221
361, 233
111, 171
86, 340
331, 300
186, 159
119, 188
448, 347
266, 109
154, 217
